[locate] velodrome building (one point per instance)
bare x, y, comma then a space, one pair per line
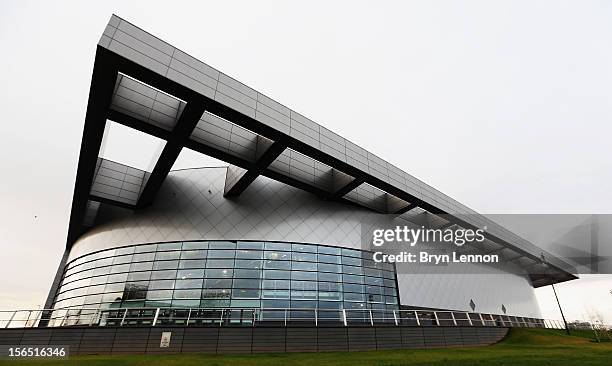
279, 229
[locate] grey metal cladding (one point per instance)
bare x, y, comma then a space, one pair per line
117, 182
138, 46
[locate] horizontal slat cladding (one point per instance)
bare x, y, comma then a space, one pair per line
388, 338
332, 339
269, 340
97, 341
131, 340
11, 336
252, 340
433, 337
69, 337
453, 337
301, 340
412, 337
200, 340
37, 336
361, 339
176, 340
235, 340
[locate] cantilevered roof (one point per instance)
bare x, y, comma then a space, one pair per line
147, 84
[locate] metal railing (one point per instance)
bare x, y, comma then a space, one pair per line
129, 317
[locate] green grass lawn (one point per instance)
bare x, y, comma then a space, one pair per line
522, 347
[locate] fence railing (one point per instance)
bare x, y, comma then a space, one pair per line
129, 317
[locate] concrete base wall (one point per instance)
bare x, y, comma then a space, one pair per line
146, 340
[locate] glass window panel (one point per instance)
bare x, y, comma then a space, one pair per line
221, 253
220, 263
166, 265
93, 299
245, 283
286, 265
114, 287
351, 261
249, 254
278, 246
247, 273
124, 250
158, 303
104, 262
143, 266
329, 258
195, 245
374, 290
143, 257
275, 304
98, 280
330, 296
351, 253
192, 263
163, 275
250, 245
303, 257
310, 276
275, 294
221, 245
118, 268
303, 305
190, 273
304, 285
162, 256
115, 297
159, 295
275, 274
352, 270
373, 272
391, 300
209, 293
182, 303
323, 267
145, 248
249, 263
194, 254
389, 283
304, 248
389, 275
161, 285
95, 289
187, 294
245, 303
331, 277
350, 296
330, 286
275, 284
304, 266
217, 283
352, 278
351, 287
279, 256
330, 305
169, 246
192, 283
121, 277
101, 271
374, 281
218, 273
214, 303
303, 295
245, 293
329, 250
389, 291
374, 298
139, 276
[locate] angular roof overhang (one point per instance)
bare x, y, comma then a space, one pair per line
145, 83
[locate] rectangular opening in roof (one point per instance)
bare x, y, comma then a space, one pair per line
146, 103
125, 160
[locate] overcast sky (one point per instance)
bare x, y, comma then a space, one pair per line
505, 106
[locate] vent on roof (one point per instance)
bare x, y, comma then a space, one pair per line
472, 305
504, 308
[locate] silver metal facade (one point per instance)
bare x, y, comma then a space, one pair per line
191, 206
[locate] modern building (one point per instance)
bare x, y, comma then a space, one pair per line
280, 227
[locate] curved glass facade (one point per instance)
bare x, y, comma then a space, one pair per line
227, 274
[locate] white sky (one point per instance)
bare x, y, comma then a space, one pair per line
505, 106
